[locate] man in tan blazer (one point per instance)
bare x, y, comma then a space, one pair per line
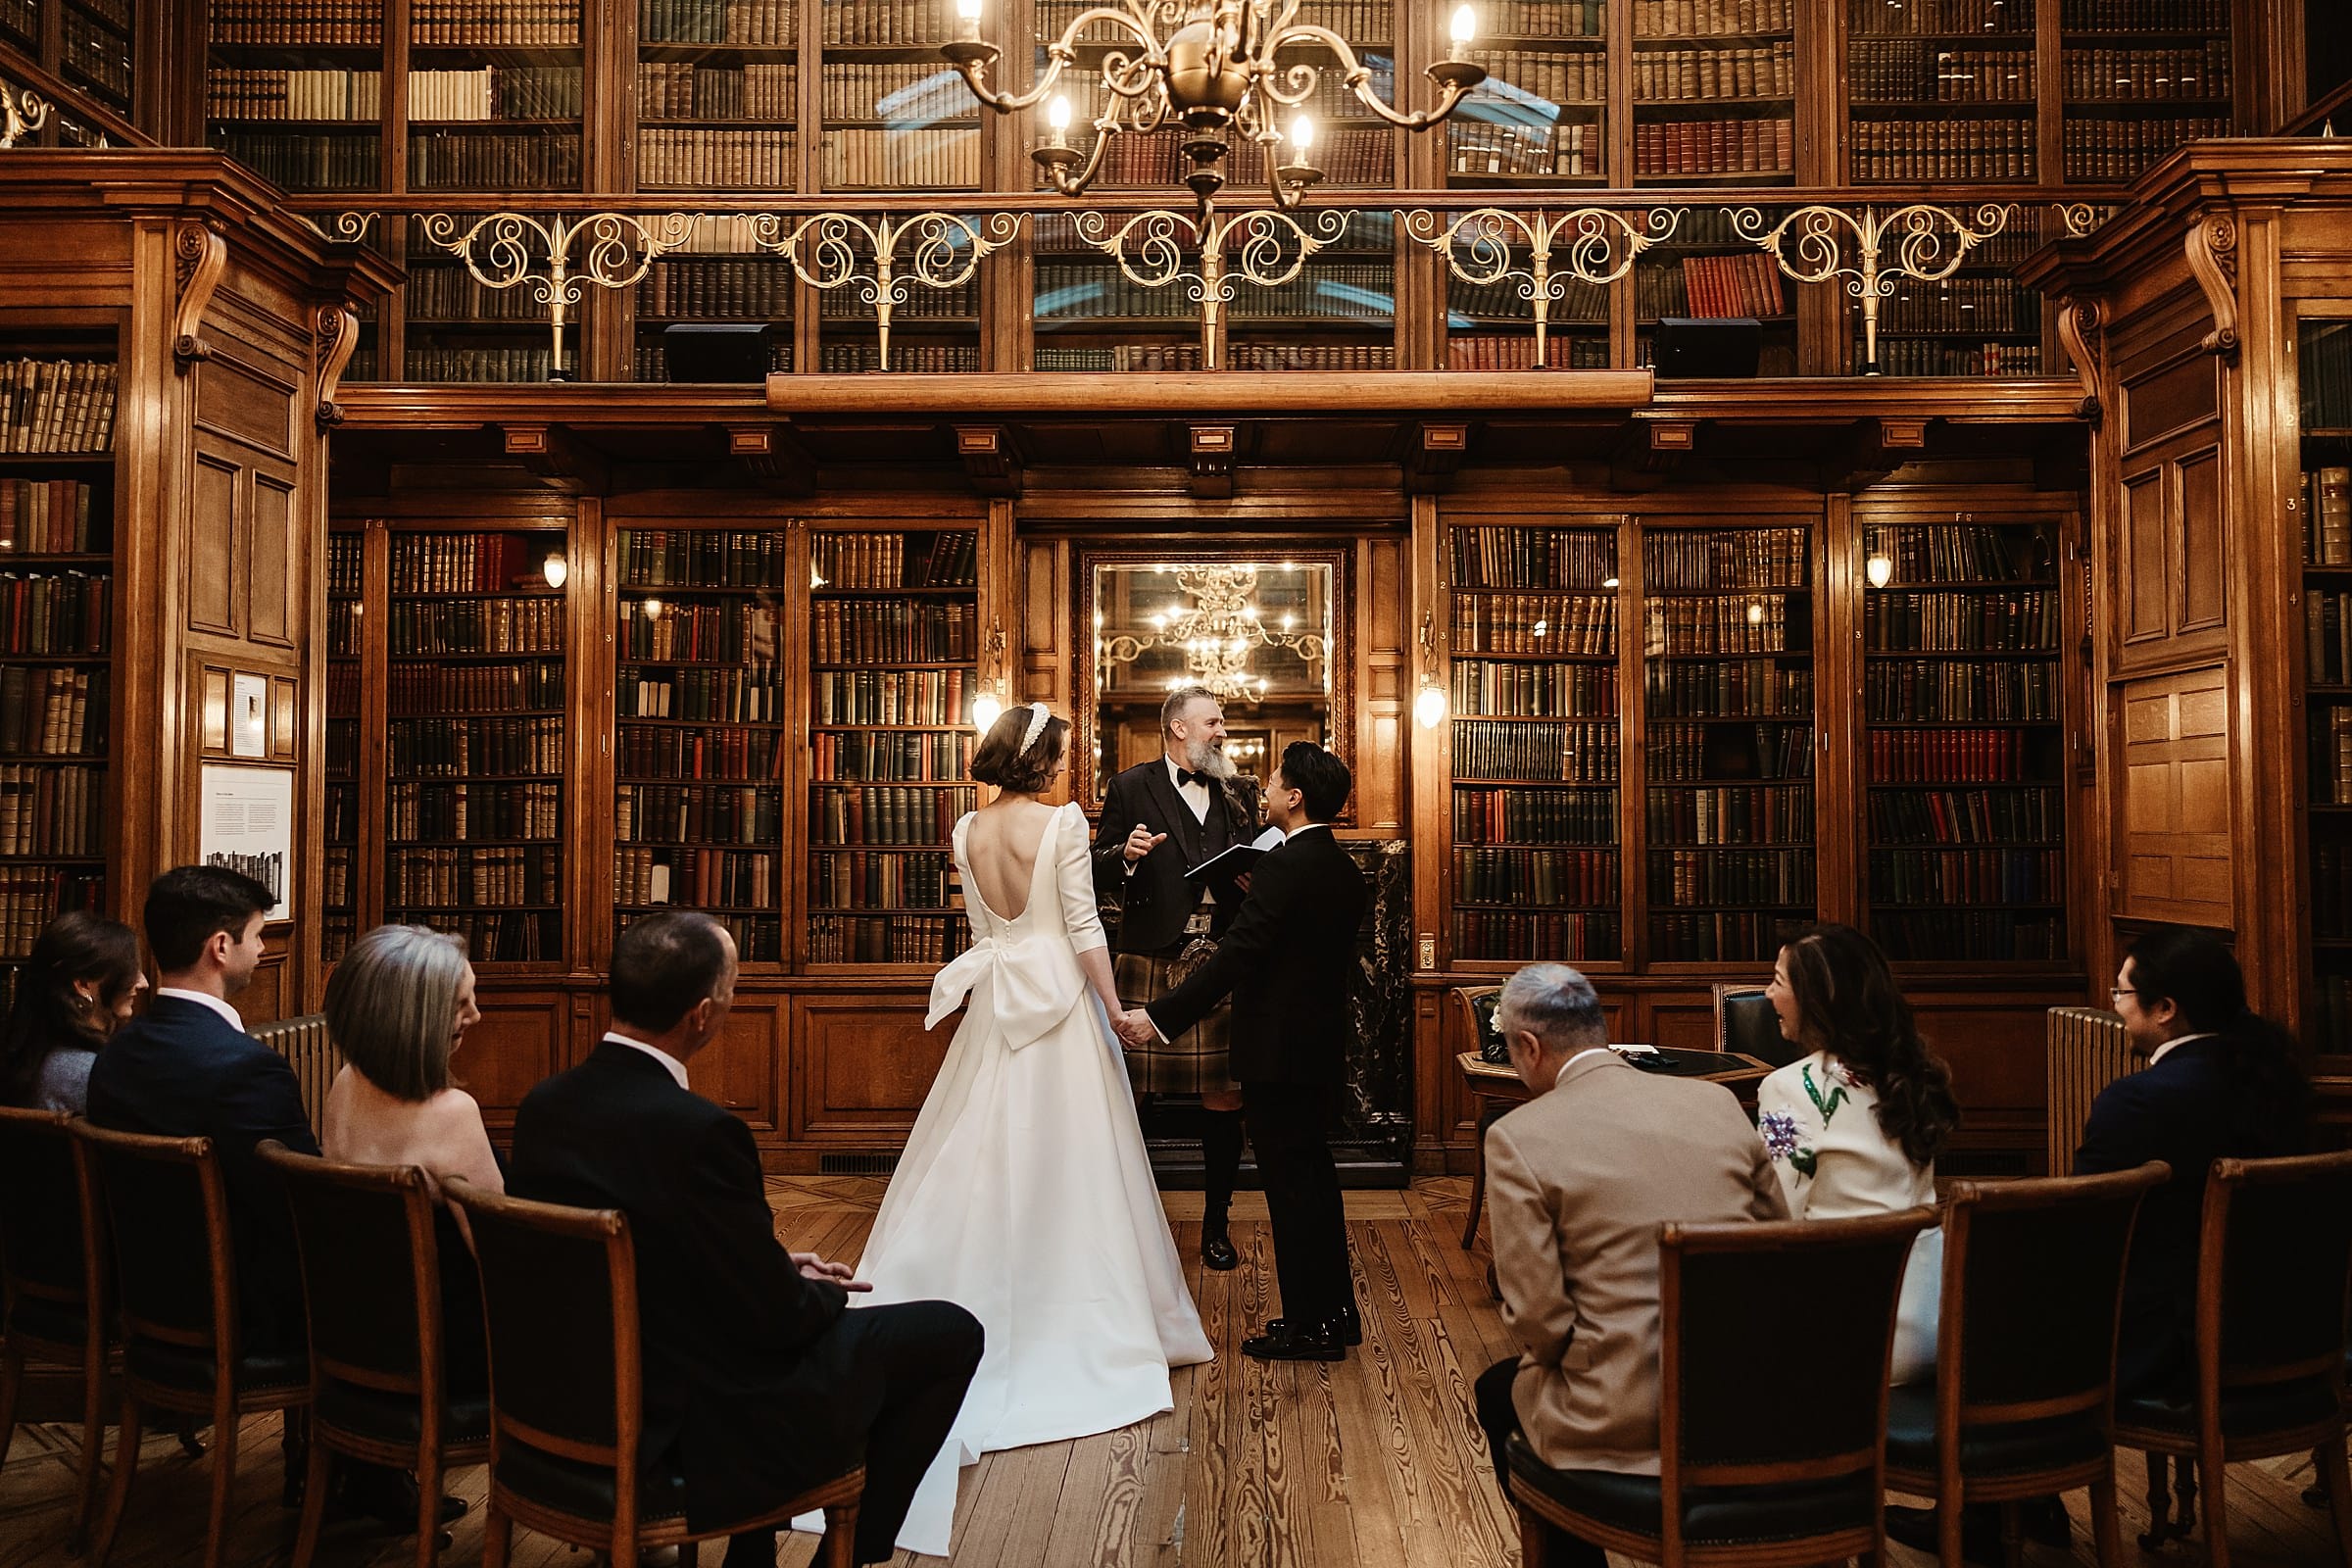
1579, 1181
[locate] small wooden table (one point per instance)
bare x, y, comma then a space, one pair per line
1498, 1089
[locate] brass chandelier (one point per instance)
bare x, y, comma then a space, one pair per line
1216, 633
1216, 73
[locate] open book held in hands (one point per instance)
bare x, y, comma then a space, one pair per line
1217, 872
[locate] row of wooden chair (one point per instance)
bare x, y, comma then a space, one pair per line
561, 1425
1779, 1434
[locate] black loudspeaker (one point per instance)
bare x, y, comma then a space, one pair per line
716, 351
1715, 347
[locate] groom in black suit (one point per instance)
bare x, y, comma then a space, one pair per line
1287, 961
1159, 819
757, 1384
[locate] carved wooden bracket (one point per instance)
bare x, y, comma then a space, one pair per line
1649, 449
2078, 329
200, 256
338, 330
1210, 451
552, 453
1433, 454
2212, 248
990, 460
773, 457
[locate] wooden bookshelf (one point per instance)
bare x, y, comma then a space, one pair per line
475, 757
346, 665
703, 737
1540, 120
2324, 363
721, 278
718, 95
1704, 269
1715, 91
299, 96
1943, 91
1535, 789
1729, 732
2137, 79
894, 640
1964, 697
56, 582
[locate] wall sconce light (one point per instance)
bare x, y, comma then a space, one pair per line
1429, 704
987, 708
1879, 569
556, 569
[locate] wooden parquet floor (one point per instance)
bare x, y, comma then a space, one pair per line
1374, 1461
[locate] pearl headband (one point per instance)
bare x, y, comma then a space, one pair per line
1037, 726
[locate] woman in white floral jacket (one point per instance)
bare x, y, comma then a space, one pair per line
1854, 1126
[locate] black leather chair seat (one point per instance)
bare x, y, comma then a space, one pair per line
53, 1321
192, 1370
1986, 1450
396, 1417
586, 1491
2246, 1412
1716, 1515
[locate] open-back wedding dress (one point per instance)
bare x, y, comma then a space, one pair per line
1025, 1195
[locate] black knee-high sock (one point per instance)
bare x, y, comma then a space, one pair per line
1220, 1165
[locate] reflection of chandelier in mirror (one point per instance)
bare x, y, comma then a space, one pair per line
1216, 633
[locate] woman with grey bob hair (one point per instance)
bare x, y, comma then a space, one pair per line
398, 1005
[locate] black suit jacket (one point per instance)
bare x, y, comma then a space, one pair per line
2181, 1111
181, 1070
1155, 902
1287, 961
728, 1322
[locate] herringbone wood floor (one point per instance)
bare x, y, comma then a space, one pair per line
1374, 1461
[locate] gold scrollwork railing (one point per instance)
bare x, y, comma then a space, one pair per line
1269, 249
1592, 245
1919, 241
22, 112
840, 250
519, 250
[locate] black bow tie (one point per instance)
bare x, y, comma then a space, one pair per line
1186, 775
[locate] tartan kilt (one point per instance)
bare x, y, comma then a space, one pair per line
1195, 1062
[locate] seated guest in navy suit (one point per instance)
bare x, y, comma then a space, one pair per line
2222, 1081
757, 1384
186, 1068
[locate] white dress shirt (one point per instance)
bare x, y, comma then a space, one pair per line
2161, 1052
1303, 827
1195, 794
671, 1064
1572, 1061
236, 1019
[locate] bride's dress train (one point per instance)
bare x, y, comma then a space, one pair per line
1025, 1196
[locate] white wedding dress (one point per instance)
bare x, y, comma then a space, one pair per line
1025, 1195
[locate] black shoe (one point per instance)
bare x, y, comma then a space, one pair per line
1216, 1252
1351, 1324
2044, 1523
1287, 1342
1979, 1536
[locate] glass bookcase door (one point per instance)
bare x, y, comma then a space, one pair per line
495, 95
346, 643
1337, 313
98, 50
2138, 77
1535, 793
720, 285
1085, 314
475, 752
1728, 696
1979, 322
454, 327
1941, 91
894, 630
297, 93
717, 95
932, 329
897, 116
2324, 373
1539, 120
703, 739
1965, 752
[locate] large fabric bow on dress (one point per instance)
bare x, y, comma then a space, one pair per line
1037, 982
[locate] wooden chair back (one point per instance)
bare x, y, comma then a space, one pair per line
560, 1302
1474, 1016
50, 1240
1830, 1286
2274, 1273
167, 1211
2032, 1293
1745, 1023
371, 1273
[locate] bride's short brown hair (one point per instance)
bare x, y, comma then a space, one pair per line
1003, 763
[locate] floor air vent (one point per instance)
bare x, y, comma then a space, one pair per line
857, 1164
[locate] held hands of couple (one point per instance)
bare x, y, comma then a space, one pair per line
1134, 1027
813, 1268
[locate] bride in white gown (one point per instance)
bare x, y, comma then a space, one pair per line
1024, 1194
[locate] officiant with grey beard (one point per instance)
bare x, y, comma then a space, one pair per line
1159, 819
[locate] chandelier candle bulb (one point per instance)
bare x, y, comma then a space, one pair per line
1465, 26
967, 20
1303, 134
